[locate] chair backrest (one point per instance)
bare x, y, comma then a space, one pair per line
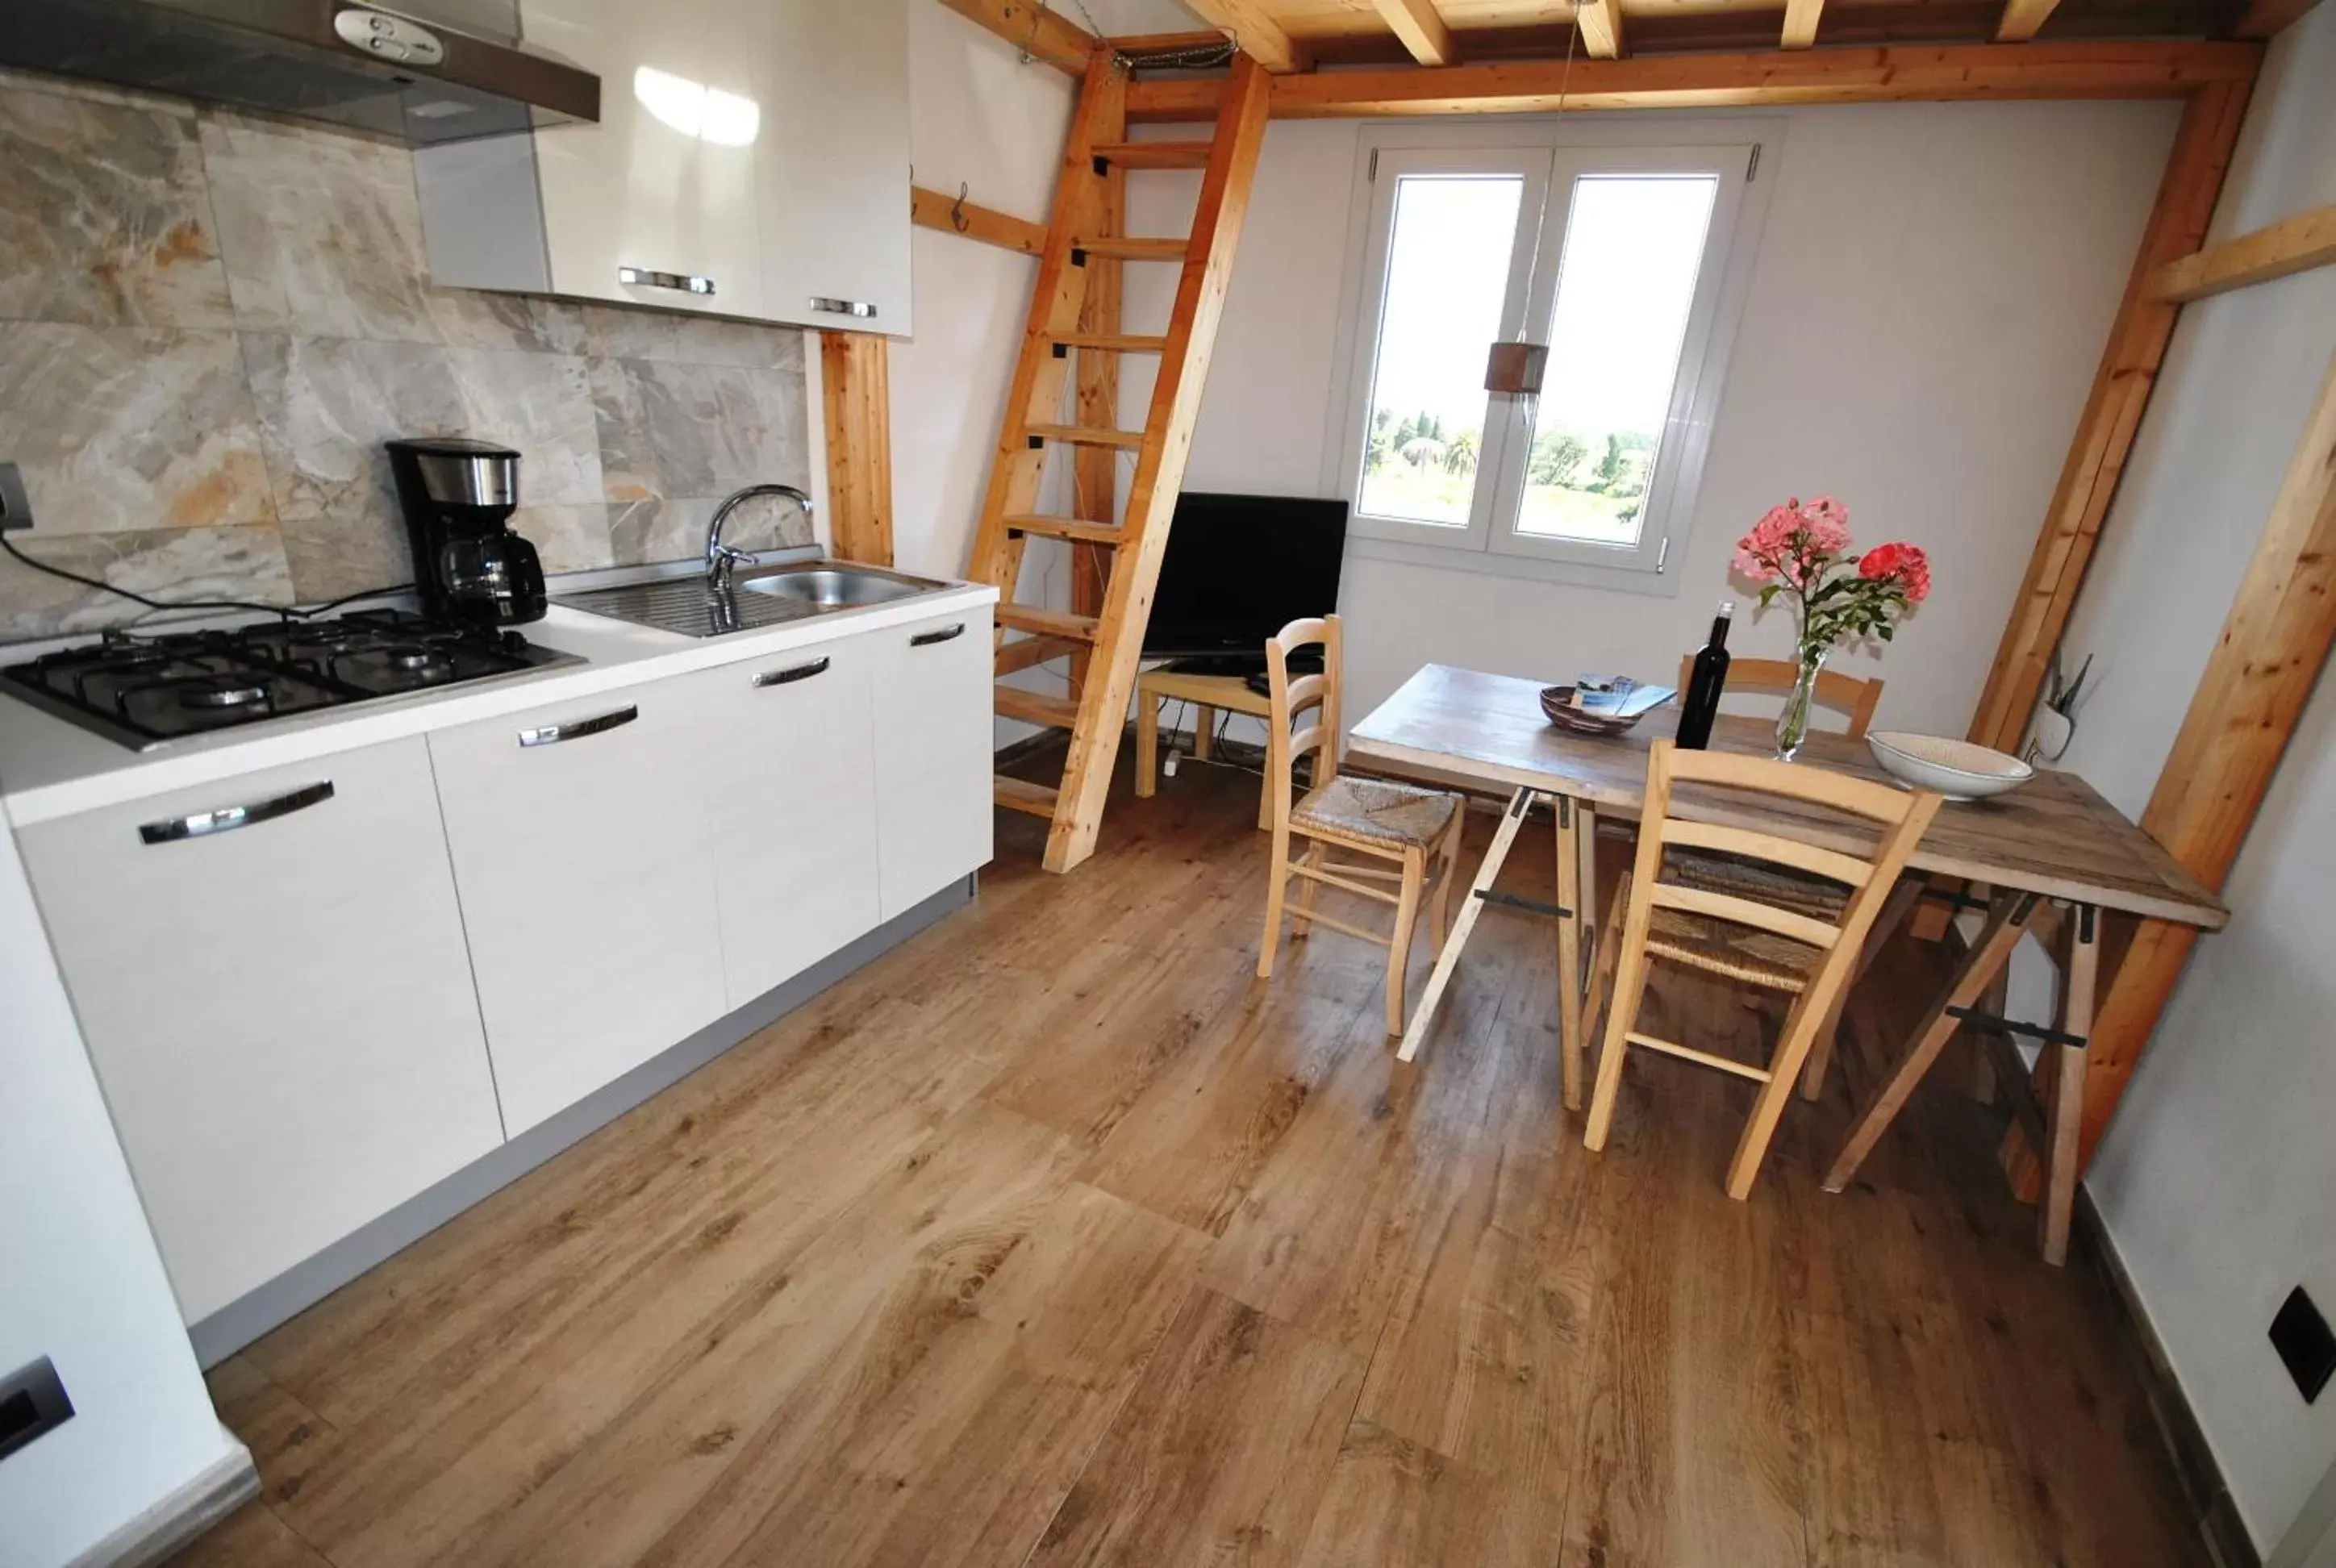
1901, 815
1317, 693
1843, 694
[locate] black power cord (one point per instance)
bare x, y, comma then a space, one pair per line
290, 612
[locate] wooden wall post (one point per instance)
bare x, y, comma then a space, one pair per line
2274, 642
2113, 410
857, 404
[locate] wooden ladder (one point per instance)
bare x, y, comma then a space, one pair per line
1074, 319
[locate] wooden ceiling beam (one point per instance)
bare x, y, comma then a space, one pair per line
1899, 73
1801, 23
1252, 28
2265, 17
1601, 22
2292, 245
1034, 27
2022, 19
1421, 27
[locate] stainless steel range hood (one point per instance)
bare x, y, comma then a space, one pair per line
356, 66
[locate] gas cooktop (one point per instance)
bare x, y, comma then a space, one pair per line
146, 691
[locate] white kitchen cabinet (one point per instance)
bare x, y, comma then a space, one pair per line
280, 1011
791, 796
933, 755
751, 160
580, 850
833, 173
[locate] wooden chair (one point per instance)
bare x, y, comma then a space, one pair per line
1780, 939
1842, 694
1376, 817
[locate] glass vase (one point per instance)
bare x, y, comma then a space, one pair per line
1792, 723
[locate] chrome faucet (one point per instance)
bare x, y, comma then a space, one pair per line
721, 560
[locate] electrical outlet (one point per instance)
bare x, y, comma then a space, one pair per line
15, 506
2306, 1347
31, 1403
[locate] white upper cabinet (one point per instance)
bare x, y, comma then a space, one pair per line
271, 974
751, 160
834, 167
665, 186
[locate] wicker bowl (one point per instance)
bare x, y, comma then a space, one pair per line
1557, 703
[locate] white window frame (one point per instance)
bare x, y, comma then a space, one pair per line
1566, 149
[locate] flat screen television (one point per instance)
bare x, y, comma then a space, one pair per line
1239, 568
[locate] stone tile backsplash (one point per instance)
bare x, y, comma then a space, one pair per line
209, 321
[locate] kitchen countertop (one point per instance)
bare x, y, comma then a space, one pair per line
50, 768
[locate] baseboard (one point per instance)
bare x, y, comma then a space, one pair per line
2204, 1488
302, 1286
171, 1524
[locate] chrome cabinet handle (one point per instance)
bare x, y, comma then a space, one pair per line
927, 639
648, 277
226, 819
794, 672
578, 728
832, 307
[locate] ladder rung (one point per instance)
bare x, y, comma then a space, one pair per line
1047, 622
1122, 248
1078, 528
1086, 435
1155, 154
1037, 650
1036, 707
1117, 342
1019, 794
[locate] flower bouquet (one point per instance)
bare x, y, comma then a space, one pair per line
1802, 552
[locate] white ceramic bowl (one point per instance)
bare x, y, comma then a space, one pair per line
1957, 769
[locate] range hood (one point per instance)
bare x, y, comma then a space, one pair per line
355, 65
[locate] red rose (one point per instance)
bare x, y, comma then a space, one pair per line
1903, 563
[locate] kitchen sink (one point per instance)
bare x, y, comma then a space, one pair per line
757, 597
835, 588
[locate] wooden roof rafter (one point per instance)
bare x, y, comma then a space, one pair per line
1801, 24
1422, 29
1895, 73
2022, 19
1601, 22
1035, 28
1253, 30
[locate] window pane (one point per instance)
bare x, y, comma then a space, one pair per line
1448, 275
1633, 246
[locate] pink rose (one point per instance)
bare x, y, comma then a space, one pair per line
1903, 563
1827, 523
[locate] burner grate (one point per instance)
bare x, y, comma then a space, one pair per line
145, 690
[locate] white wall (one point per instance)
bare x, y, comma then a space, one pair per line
84, 1284
2215, 1177
1929, 301
1930, 298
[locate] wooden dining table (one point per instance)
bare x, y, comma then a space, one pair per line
2051, 851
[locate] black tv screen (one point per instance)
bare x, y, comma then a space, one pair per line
1239, 568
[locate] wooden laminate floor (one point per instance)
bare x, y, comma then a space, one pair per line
1056, 1238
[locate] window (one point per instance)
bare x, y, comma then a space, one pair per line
1616, 257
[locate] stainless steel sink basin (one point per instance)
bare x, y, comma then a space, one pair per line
835, 588
758, 597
